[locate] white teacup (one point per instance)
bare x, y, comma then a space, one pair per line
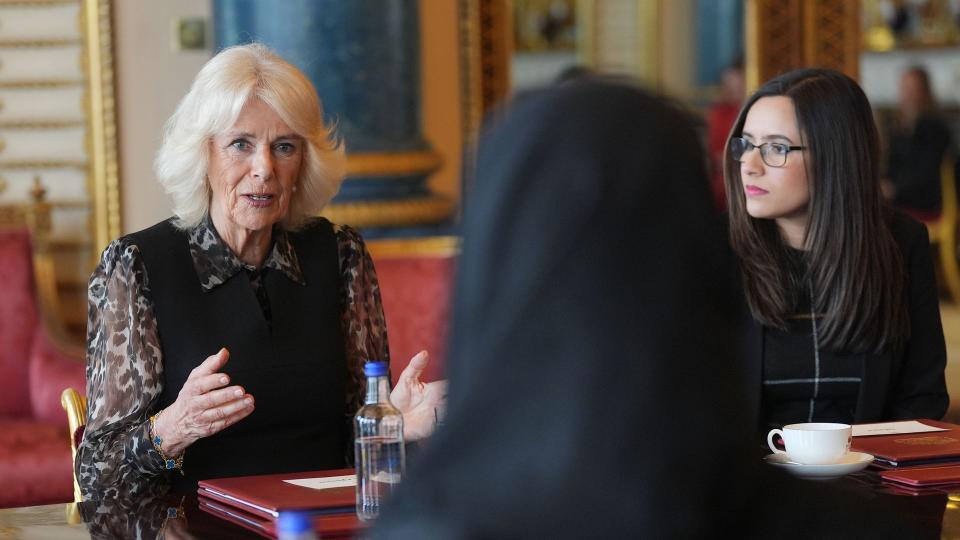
817, 443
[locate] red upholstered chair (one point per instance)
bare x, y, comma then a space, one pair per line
36, 363
416, 280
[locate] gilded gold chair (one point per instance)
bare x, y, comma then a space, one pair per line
943, 231
76, 406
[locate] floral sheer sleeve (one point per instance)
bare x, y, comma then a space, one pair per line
364, 327
124, 378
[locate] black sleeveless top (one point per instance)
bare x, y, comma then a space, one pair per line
295, 368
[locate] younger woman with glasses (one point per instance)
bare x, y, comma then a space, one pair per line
846, 324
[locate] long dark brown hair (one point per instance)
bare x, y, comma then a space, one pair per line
854, 267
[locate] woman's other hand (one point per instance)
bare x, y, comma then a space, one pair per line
422, 404
204, 406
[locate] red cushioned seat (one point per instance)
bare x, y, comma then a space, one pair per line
35, 464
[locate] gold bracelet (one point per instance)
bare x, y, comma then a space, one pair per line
157, 441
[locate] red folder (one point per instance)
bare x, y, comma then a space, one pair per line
327, 526
924, 476
267, 495
910, 449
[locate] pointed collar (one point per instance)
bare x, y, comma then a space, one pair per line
215, 263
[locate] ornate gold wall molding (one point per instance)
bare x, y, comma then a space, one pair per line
46, 83
496, 47
774, 38
471, 109
788, 34
40, 124
35, 3
487, 30
393, 163
43, 164
832, 35
404, 212
38, 43
425, 210
102, 138
429, 246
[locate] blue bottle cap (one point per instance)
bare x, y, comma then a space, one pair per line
293, 523
375, 369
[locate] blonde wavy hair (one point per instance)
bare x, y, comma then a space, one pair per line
212, 106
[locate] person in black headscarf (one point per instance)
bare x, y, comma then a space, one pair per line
593, 387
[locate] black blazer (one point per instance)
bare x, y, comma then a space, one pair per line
895, 385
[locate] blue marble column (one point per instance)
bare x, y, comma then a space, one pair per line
363, 56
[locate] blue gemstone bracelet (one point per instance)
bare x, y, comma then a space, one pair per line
157, 442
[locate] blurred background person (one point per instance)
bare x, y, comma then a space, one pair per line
720, 118
917, 144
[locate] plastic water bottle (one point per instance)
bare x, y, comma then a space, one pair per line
378, 446
295, 526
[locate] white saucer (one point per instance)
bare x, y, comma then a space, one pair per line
852, 462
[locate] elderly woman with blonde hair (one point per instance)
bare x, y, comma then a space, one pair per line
230, 339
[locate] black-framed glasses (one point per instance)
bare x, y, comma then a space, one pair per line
773, 154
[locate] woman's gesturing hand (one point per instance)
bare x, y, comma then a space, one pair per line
204, 406
422, 404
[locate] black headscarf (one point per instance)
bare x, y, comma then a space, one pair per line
592, 381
